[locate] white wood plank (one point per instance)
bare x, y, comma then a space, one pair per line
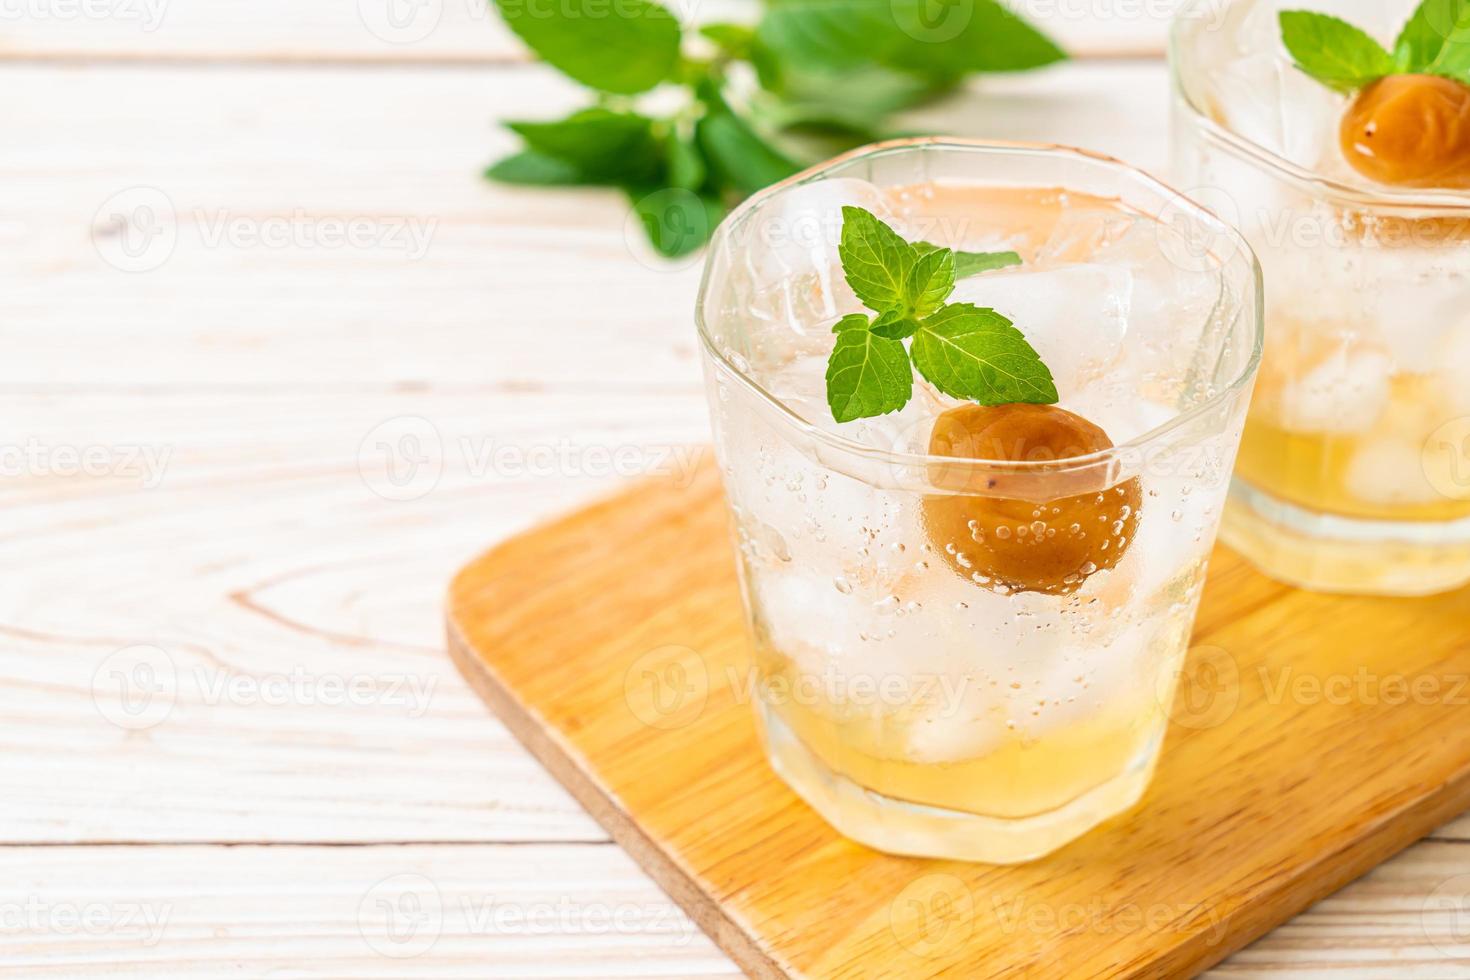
265, 562
457, 911
431, 30
544, 911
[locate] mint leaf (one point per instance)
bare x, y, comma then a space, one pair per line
530, 167
929, 282
975, 353
964, 351
625, 49
686, 167
934, 41
968, 264
605, 146
1436, 40
1332, 51
875, 260
737, 154
867, 374
863, 93
953, 37
733, 40
895, 325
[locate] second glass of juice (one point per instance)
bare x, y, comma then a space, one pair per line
1354, 473
926, 677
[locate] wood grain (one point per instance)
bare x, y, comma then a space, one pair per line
1331, 738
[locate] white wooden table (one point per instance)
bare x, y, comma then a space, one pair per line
230, 741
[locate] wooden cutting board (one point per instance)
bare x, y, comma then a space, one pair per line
1314, 737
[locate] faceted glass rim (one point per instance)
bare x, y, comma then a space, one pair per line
1252, 306
1437, 202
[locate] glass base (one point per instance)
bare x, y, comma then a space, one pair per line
916, 830
1327, 553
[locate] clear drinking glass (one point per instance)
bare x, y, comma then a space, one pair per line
919, 704
1354, 472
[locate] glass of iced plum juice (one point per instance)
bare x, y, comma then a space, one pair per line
1336, 135
975, 407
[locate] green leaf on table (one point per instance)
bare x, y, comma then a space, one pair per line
1436, 40
961, 36
676, 220
737, 155
867, 374
603, 145
975, 353
530, 167
623, 48
734, 40
686, 167
1332, 51
932, 39
862, 91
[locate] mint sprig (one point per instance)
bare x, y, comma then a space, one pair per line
965, 351
1434, 41
829, 75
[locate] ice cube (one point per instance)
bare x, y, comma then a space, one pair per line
1418, 309
1391, 472
1345, 391
789, 251
1076, 316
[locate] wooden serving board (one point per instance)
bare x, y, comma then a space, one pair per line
1314, 737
